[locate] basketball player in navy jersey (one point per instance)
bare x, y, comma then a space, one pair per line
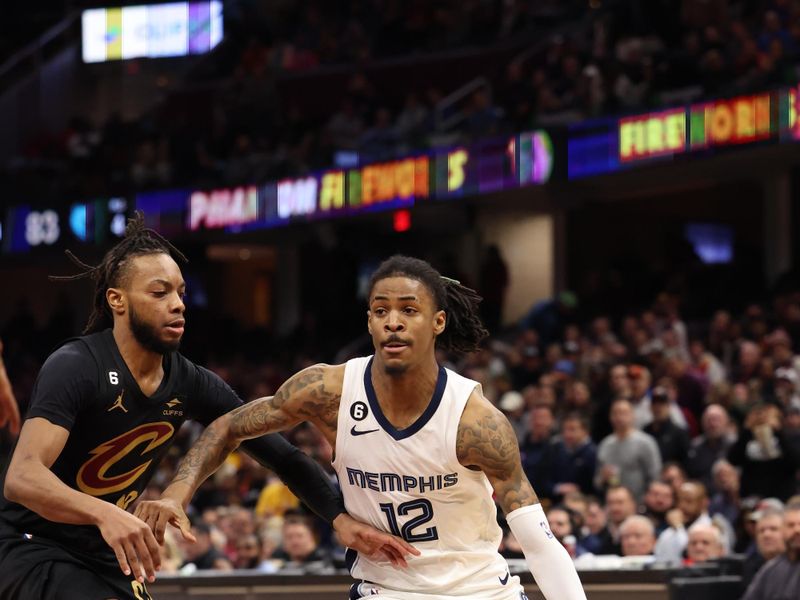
104, 412
418, 450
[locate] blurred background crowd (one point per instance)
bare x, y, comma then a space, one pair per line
298, 86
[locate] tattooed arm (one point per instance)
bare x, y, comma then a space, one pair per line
486, 442
310, 395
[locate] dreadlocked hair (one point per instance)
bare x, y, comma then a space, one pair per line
463, 331
137, 241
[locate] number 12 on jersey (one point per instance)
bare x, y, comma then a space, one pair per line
425, 510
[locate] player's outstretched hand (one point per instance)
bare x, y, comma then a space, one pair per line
372, 542
132, 541
157, 513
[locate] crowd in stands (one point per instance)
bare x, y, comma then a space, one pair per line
607, 58
649, 439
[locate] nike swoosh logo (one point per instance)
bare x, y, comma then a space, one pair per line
504, 580
355, 431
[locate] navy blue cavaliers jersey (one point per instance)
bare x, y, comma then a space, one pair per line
118, 435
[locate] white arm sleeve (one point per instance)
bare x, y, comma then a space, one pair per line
547, 559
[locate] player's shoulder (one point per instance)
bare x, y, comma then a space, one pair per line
331, 376
74, 356
480, 412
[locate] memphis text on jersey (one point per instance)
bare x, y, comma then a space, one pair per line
392, 482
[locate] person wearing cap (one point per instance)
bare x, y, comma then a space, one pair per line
673, 442
769, 541
513, 406
526, 360
570, 461
779, 579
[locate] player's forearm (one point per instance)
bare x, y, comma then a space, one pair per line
547, 559
30, 483
208, 453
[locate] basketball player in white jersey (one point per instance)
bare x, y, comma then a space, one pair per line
418, 451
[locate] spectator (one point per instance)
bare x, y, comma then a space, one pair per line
674, 476
536, 442
690, 393
704, 365
640, 380
658, 501
711, 446
345, 126
202, 554
726, 498
673, 442
549, 317
570, 462
410, 123
767, 460
692, 510
627, 456
248, 552
620, 504
637, 535
513, 406
705, 543
561, 525
769, 542
619, 386
300, 549
785, 387
778, 579
596, 536
379, 140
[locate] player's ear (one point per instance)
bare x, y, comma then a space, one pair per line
116, 300
439, 322
369, 318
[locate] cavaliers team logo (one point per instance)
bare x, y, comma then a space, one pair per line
92, 475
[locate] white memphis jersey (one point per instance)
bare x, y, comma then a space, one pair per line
409, 482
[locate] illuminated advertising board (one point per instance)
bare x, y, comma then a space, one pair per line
607, 145
707, 125
739, 120
488, 165
153, 31
654, 134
